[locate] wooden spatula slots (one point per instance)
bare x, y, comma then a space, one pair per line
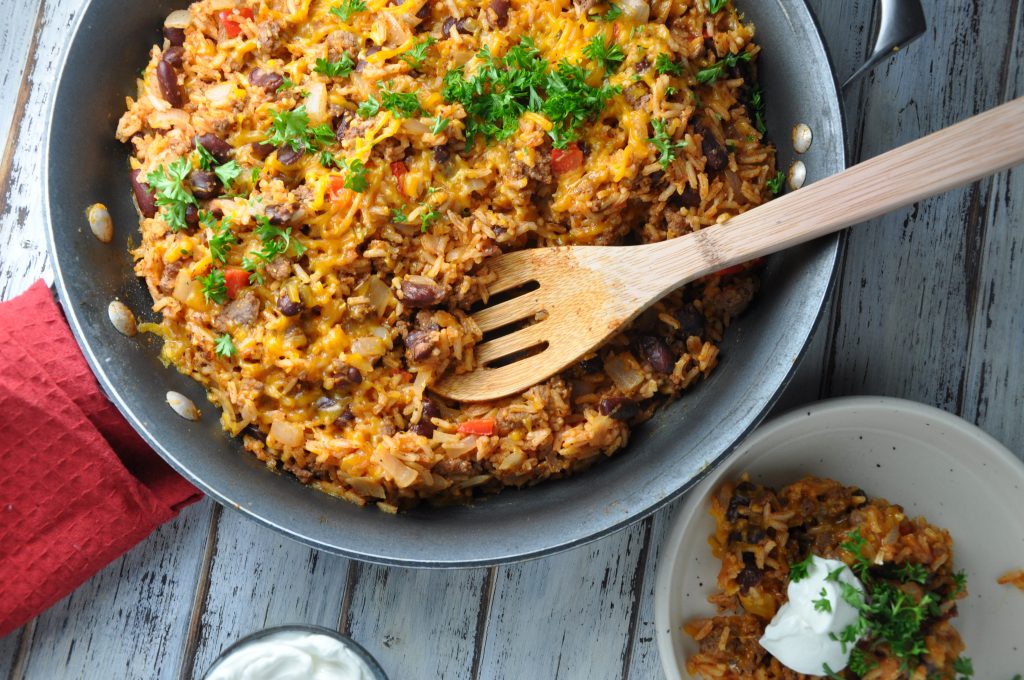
587, 293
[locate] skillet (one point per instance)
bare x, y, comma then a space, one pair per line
666, 456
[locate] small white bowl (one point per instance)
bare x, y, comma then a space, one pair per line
930, 462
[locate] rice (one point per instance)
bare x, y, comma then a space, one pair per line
320, 355
760, 532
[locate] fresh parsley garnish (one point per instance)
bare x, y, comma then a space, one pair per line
608, 56
171, 194
798, 570
663, 64
662, 141
369, 108
347, 8
959, 583
228, 172
429, 216
402, 104
206, 159
214, 287
341, 68
274, 241
222, 238
225, 346
439, 126
292, 128
757, 108
963, 666
860, 663
775, 184
286, 84
823, 604
833, 576
418, 54
715, 5
913, 572
355, 179
399, 216
712, 73
572, 101
613, 13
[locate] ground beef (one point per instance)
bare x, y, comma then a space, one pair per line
449, 467
242, 311
169, 278
341, 42
279, 268
268, 37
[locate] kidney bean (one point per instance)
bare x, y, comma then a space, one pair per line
441, 155
690, 198
268, 80
361, 63
345, 418
288, 306
191, 216
717, 155
500, 9
420, 295
691, 322
169, 87
341, 126
619, 408
174, 55
287, 155
218, 148
430, 409
424, 12
175, 36
144, 196
205, 185
420, 345
459, 26
261, 150
657, 353
592, 365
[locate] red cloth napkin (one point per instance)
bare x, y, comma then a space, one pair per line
78, 486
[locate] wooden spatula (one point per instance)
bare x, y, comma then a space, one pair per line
587, 293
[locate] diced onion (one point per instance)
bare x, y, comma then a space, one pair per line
637, 11
316, 102
179, 18
287, 433
622, 374
379, 294
401, 473
220, 94
369, 347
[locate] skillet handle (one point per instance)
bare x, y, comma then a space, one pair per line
899, 23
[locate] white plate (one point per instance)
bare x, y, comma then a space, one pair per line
930, 462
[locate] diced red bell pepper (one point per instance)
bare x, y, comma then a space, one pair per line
481, 426
567, 159
230, 20
400, 170
235, 280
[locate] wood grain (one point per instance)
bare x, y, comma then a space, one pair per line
258, 578
418, 623
18, 34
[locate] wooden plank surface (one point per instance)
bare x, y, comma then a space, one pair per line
927, 307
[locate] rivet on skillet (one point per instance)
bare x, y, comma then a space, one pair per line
99, 222
183, 406
801, 138
797, 175
122, 318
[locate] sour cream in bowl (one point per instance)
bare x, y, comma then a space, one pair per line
295, 652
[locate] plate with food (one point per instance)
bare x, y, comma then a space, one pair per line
856, 538
298, 202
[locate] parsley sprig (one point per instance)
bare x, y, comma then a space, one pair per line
347, 8
292, 128
274, 241
663, 64
608, 56
712, 73
418, 54
342, 68
402, 104
224, 346
355, 179
221, 237
757, 108
776, 183
167, 182
214, 287
662, 141
715, 5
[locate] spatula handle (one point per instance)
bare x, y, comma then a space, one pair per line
955, 156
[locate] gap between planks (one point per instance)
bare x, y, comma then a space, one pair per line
187, 659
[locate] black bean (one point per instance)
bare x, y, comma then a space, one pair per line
261, 150
657, 353
451, 24
420, 344
174, 55
169, 87
592, 365
205, 185
218, 148
421, 295
738, 500
424, 12
619, 408
691, 322
288, 306
144, 196
353, 375
281, 214
441, 154
424, 428
755, 535
717, 155
642, 65
287, 155
191, 216
345, 418
175, 36
690, 198
361, 63
750, 576
430, 409
341, 126
268, 80
500, 9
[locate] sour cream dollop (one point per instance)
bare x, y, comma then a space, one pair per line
291, 655
799, 635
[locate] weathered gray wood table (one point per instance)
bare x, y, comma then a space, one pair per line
929, 306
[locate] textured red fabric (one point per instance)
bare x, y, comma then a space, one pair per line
78, 486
